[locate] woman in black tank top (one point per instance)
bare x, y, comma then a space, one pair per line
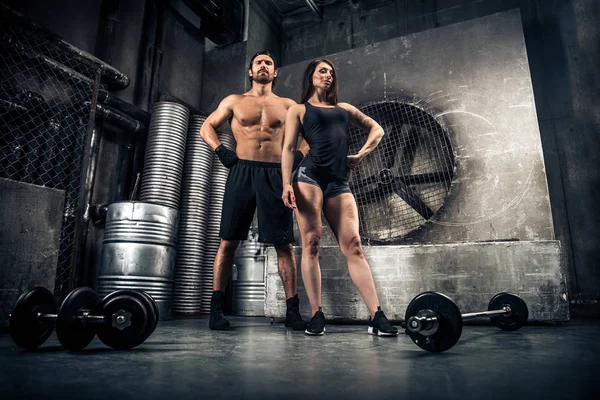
321, 184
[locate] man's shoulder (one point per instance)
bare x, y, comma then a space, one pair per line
287, 101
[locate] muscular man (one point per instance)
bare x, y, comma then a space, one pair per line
257, 120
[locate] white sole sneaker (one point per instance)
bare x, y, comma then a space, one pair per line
314, 333
374, 331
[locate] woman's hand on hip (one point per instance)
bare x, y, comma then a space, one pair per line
288, 196
354, 160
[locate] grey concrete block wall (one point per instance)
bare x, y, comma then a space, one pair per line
478, 87
30, 222
470, 273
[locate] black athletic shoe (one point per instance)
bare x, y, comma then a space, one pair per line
217, 319
380, 325
316, 326
293, 319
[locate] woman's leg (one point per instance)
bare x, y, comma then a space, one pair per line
342, 215
309, 202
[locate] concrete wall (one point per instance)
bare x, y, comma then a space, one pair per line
469, 273
478, 87
562, 39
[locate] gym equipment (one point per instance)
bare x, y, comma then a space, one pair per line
28, 331
74, 324
140, 317
123, 319
434, 321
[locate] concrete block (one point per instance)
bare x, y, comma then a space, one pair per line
470, 273
30, 223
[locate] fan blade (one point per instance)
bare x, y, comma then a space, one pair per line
411, 198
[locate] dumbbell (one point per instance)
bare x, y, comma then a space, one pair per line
123, 319
434, 322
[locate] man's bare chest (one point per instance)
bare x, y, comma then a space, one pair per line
267, 114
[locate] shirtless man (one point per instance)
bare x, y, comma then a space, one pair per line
257, 121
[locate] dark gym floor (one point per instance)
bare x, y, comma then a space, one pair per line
183, 359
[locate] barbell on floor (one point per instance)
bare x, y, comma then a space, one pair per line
122, 320
434, 321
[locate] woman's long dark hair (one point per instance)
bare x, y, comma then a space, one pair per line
308, 87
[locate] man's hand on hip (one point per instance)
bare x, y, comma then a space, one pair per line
227, 157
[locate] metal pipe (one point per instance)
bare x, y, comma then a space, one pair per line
146, 56
85, 317
61, 70
117, 119
159, 42
504, 311
88, 174
315, 8
113, 101
115, 79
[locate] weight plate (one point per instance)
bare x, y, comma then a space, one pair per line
26, 330
449, 321
154, 306
73, 333
519, 312
149, 305
127, 321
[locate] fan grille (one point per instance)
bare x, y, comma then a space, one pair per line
404, 181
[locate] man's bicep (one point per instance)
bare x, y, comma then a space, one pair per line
222, 114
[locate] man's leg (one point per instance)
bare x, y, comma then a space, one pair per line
239, 203
286, 264
221, 274
224, 264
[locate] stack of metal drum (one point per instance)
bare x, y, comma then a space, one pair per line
140, 238
194, 266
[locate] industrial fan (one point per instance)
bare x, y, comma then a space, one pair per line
404, 181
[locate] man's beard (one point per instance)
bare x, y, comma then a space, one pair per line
262, 79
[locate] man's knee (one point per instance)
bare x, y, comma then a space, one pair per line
284, 250
228, 247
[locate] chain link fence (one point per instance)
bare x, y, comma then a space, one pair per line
45, 101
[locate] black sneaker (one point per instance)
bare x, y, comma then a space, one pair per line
217, 319
380, 325
316, 326
293, 319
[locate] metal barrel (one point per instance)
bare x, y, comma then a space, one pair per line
164, 157
138, 251
248, 280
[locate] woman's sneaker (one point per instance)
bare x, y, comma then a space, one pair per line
316, 326
380, 325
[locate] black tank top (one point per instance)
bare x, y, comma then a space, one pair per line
326, 132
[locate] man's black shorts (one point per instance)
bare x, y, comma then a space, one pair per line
255, 185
